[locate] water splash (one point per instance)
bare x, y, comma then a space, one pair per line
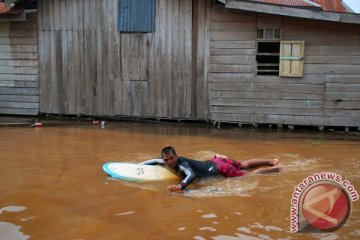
293, 162
219, 187
204, 155
209, 187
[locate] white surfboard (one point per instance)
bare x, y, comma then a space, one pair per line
138, 172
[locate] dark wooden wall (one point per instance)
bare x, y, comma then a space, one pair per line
19, 93
327, 95
88, 67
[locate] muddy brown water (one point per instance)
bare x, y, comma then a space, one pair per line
53, 186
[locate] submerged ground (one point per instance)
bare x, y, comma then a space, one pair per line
53, 187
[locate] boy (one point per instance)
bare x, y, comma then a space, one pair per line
193, 169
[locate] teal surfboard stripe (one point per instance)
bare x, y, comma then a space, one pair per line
115, 175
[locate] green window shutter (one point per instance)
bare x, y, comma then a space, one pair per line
292, 58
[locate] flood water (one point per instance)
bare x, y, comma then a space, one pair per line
53, 186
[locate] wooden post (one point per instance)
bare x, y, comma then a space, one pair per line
214, 123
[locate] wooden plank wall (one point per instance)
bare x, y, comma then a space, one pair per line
232, 65
88, 67
332, 60
19, 92
327, 95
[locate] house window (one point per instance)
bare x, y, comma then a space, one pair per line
292, 58
268, 51
136, 15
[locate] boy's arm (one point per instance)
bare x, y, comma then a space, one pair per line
153, 162
189, 178
189, 175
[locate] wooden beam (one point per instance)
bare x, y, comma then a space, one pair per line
293, 12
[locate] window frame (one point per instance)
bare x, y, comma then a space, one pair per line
264, 39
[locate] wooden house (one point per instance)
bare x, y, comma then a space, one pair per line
19, 88
236, 61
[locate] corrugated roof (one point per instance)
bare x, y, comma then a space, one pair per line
297, 12
332, 5
324, 5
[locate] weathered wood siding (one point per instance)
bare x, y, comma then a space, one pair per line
88, 67
332, 65
327, 95
19, 92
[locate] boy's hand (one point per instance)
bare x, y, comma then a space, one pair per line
173, 188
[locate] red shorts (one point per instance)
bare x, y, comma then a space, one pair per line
228, 167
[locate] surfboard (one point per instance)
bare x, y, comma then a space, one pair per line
138, 172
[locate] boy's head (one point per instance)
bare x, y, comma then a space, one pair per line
169, 156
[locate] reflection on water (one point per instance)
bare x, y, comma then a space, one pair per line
10, 231
56, 172
12, 209
125, 213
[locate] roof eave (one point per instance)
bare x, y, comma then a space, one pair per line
292, 12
